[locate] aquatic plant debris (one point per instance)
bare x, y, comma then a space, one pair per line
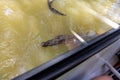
53, 9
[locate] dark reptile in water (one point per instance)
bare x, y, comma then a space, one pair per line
68, 40
57, 40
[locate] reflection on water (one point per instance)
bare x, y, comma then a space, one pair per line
24, 24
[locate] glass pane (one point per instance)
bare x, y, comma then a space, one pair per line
33, 32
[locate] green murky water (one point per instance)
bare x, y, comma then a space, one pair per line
24, 24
